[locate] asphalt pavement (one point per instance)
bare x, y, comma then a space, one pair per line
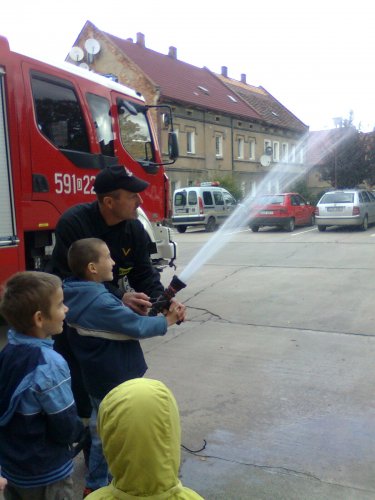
274, 369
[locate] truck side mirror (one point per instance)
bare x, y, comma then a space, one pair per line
173, 146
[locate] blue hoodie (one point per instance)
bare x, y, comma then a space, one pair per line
103, 334
38, 418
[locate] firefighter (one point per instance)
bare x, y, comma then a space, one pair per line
112, 218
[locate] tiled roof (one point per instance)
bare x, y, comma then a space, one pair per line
183, 82
269, 108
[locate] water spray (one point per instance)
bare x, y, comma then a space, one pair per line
164, 300
278, 179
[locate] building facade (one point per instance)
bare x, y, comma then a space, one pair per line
226, 128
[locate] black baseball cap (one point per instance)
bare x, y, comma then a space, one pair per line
118, 177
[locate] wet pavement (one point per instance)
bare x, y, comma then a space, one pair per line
274, 368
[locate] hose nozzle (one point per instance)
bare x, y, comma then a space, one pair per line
164, 299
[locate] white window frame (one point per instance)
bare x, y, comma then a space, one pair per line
190, 142
284, 152
301, 154
293, 154
251, 149
253, 188
276, 151
240, 148
218, 145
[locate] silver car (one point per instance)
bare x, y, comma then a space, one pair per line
347, 207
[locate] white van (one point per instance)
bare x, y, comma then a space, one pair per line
205, 205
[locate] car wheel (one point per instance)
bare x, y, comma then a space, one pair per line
322, 228
181, 229
290, 226
312, 220
364, 225
254, 229
211, 225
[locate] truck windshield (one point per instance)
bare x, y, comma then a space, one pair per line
135, 131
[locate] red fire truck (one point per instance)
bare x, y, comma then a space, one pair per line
58, 127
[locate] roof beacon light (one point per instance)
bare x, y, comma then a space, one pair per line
208, 183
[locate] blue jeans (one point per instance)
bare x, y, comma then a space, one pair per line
97, 475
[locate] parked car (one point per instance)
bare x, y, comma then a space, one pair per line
285, 210
345, 207
203, 205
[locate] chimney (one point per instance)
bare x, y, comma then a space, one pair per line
172, 52
141, 40
224, 71
243, 78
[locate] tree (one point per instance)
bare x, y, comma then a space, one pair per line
346, 164
368, 144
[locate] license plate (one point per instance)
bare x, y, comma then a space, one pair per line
266, 212
182, 210
335, 209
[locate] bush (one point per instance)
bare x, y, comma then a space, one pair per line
301, 188
230, 185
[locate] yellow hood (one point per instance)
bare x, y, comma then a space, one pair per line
139, 425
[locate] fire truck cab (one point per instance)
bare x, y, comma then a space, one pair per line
58, 127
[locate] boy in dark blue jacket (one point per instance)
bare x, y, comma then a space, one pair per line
38, 417
104, 335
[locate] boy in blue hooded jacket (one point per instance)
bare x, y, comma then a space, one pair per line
104, 335
38, 417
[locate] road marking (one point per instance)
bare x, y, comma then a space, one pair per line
303, 232
237, 232
372, 235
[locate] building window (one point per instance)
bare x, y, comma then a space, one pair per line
293, 154
219, 146
240, 148
253, 189
251, 149
190, 142
301, 155
268, 147
284, 152
276, 151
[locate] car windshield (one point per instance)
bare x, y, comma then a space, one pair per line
338, 198
271, 199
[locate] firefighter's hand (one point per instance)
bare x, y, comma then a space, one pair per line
137, 301
176, 313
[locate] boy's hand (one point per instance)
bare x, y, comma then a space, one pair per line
3, 483
176, 313
137, 301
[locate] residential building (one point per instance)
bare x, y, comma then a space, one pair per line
225, 127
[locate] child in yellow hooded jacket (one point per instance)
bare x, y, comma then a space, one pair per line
139, 425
